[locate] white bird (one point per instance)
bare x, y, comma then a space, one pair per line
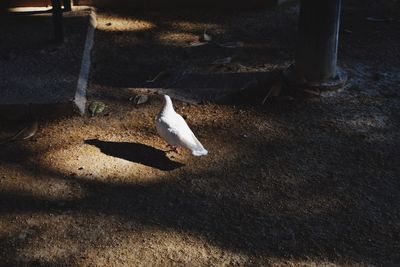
174, 129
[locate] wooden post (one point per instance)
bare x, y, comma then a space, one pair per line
67, 5
58, 21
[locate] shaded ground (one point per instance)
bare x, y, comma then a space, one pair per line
30, 72
293, 182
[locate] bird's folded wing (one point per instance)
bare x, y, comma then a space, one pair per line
181, 130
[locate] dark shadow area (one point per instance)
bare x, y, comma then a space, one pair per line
222, 88
136, 152
192, 70
173, 5
35, 71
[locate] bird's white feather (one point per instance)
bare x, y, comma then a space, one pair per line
174, 129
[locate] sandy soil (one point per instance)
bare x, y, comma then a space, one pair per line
294, 182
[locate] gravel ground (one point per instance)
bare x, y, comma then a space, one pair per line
294, 182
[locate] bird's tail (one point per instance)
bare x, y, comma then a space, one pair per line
197, 148
200, 152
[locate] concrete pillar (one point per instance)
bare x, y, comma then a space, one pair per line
316, 55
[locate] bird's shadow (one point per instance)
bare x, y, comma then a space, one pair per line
136, 152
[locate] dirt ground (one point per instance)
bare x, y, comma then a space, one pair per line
294, 182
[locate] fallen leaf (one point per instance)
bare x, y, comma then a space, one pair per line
222, 61
266, 96
375, 19
275, 90
96, 107
232, 44
140, 99
161, 73
195, 44
26, 133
